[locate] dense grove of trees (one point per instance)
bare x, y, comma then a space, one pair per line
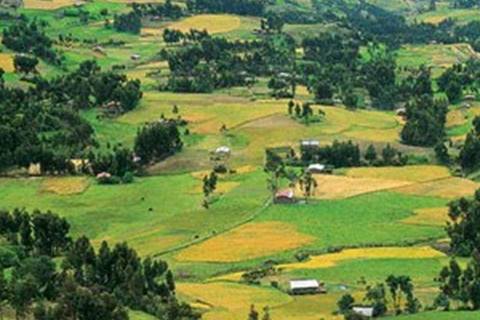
42, 125
470, 152
87, 284
241, 7
348, 154
218, 63
30, 37
157, 141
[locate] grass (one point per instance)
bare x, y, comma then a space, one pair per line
118, 213
445, 11
247, 242
457, 315
377, 219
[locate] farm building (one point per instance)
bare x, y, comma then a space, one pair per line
470, 97
222, 150
401, 112
309, 143
317, 168
306, 287
103, 175
135, 56
363, 311
285, 196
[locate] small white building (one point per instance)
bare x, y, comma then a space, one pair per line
311, 286
363, 311
135, 56
316, 168
309, 143
223, 150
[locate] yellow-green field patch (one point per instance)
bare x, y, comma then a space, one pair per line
47, 4
341, 187
231, 300
420, 173
213, 23
247, 242
64, 185
428, 217
450, 188
330, 260
6, 62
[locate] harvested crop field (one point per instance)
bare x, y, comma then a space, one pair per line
64, 186
213, 23
6, 62
450, 188
247, 242
330, 260
428, 217
341, 187
407, 173
230, 300
47, 4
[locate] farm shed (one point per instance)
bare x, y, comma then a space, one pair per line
285, 196
363, 311
470, 97
401, 112
135, 56
309, 143
306, 287
316, 168
222, 150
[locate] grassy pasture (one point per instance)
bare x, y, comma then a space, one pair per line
437, 56
445, 11
64, 186
118, 213
457, 315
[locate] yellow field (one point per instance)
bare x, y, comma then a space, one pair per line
428, 217
213, 23
341, 187
247, 242
330, 260
64, 186
386, 135
419, 173
6, 62
47, 4
230, 300
450, 188
456, 117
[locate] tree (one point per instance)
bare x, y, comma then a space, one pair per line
308, 184
25, 64
441, 153
345, 303
253, 314
4, 294
157, 141
470, 152
454, 92
371, 154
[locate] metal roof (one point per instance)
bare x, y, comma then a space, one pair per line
363, 311
316, 166
304, 284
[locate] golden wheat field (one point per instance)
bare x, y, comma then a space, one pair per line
64, 186
213, 23
6, 62
247, 242
428, 217
341, 187
419, 173
231, 300
330, 260
47, 4
450, 188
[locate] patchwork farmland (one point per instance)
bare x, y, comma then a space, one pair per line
188, 160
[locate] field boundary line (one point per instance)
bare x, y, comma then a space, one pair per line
255, 214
